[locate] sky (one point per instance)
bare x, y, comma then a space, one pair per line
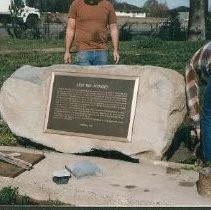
171, 3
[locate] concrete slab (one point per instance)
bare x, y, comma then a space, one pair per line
122, 184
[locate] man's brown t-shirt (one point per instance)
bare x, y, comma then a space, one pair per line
91, 24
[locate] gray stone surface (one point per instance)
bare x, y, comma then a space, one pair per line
83, 169
160, 108
122, 184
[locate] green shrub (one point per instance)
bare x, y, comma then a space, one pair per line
11, 196
125, 32
8, 196
171, 30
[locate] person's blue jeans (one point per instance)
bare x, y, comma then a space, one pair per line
206, 123
94, 57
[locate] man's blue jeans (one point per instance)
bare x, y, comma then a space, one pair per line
206, 123
94, 57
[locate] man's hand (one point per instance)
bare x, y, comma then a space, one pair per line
70, 31
198, 133
67, 58
115, 41
116, 56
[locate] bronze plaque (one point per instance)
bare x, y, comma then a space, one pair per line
95, 106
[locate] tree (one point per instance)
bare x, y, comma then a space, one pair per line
63, 5
156, 9
18, 27
208, 27
32, 3
197, 20
50, 5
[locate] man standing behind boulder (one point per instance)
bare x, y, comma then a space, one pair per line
198, 71
88, 22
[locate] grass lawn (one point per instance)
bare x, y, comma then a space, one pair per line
173, 55
23, 44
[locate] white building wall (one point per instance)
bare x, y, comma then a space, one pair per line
4, 5
131, 14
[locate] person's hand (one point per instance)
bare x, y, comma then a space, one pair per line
116, 56
67, 58
198, 133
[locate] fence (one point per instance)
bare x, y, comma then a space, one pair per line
52, 30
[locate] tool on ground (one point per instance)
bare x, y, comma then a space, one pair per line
9, 158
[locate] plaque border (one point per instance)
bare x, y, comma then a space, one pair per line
128, 139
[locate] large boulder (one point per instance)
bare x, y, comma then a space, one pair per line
160, 109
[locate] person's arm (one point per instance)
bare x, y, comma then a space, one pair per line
115, 41
192, 91
70, 32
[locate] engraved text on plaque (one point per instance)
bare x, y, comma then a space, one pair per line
92, 105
